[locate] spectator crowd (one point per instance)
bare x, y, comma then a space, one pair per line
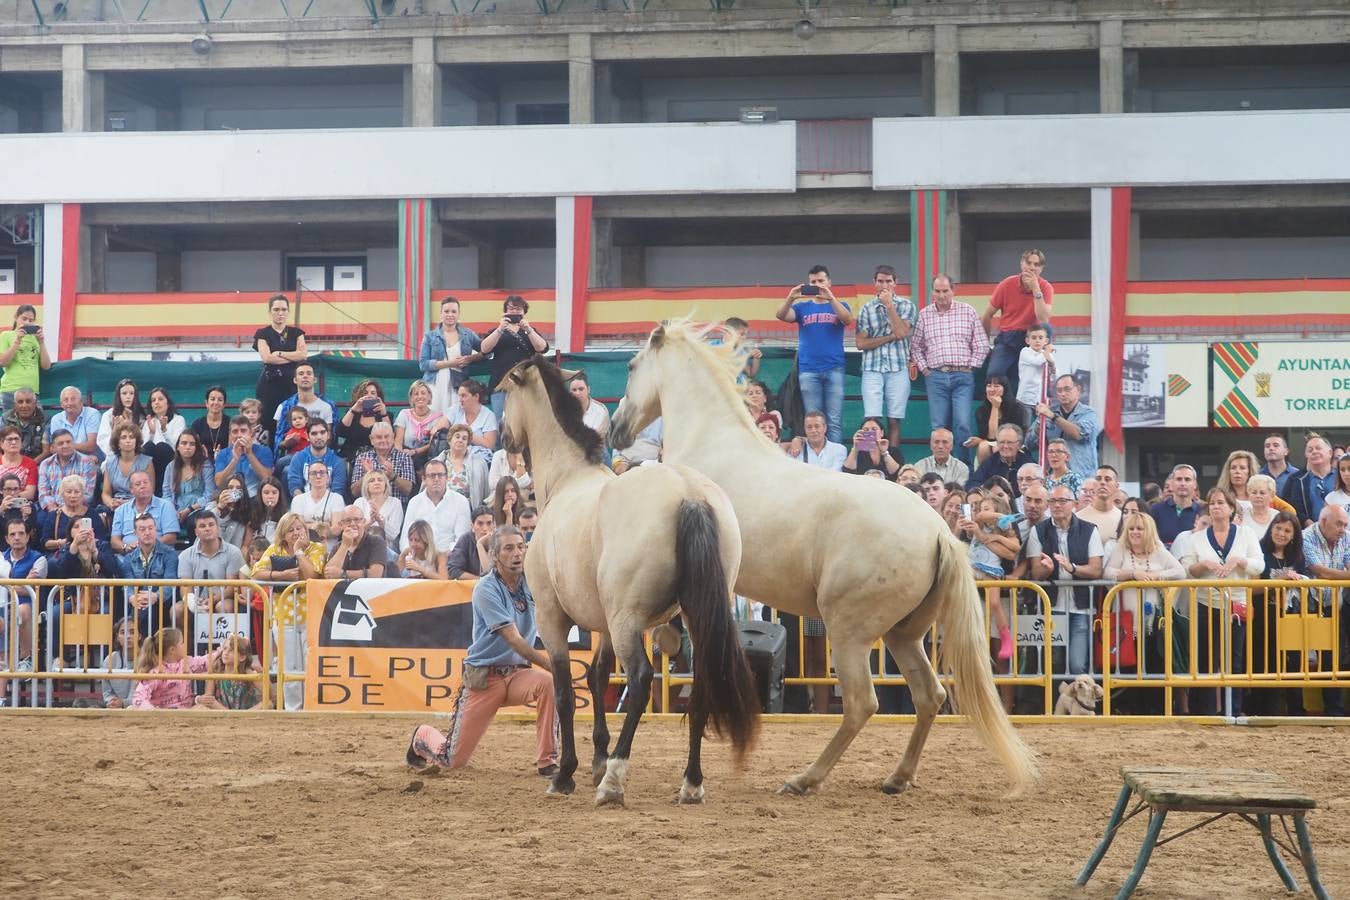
296, 485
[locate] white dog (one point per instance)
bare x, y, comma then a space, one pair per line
1078, 697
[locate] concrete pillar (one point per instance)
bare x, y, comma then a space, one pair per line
81, 92
1111, 66
955, 263
168, 271
422, 86
946, 72
580, 80
603, 253
491, 267
633, 267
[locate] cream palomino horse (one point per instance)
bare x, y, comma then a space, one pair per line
869, 557
617, 555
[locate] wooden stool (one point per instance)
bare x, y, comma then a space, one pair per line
1251, 796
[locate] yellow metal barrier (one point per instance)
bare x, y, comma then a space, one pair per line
286, 596
880, 678
1296, 633
90, 622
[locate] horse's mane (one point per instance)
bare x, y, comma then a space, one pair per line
567, 410
727, 359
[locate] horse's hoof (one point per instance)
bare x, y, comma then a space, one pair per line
891, 788
561, 787
793, 789
605, 797
690, 795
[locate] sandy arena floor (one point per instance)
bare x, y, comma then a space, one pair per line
160, 805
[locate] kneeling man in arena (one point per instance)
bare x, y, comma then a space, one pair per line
497, 667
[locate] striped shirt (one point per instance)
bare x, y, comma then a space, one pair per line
954, 338
892, 356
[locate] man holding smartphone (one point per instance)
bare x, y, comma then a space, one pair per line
513, 341
821, 318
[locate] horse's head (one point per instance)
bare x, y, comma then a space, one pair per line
536, 393
641, 404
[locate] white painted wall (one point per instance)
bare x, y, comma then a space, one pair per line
130, 272
540, 161
231, 270
1107, 150
459, 268
1066, 260
772, 264
797, 97
1220, 258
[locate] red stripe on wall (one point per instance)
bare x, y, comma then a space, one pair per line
70, 273
1115, 340
581, 269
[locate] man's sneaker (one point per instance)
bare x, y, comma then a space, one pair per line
416, 761
25, 665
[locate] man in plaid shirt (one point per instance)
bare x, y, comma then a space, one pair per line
65, 460
884, 326
948, 345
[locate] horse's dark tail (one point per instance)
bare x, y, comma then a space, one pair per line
724, 690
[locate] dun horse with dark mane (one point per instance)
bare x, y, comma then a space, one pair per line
616, 556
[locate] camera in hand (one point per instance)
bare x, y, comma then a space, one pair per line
515, 318
30, 329
866, 441
368, 405
810, 290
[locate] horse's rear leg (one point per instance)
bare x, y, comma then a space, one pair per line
602, 664
860, 702
928, 696
628, 646
692, 789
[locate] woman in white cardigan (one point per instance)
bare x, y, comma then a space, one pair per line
1222, 551
1140, 556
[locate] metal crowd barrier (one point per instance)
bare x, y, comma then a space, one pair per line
79, 643
1292, 623
1296, 618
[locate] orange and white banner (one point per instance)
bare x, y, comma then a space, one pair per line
395, 644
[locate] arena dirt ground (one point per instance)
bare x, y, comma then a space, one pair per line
186, 805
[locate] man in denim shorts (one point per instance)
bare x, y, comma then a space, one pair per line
884, 325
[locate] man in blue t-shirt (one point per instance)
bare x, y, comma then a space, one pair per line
821, 319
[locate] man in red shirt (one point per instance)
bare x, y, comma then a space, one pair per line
1021, 301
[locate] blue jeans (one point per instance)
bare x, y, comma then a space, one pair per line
498, 403
1080, 642
825, 391
1003, 357
950, 395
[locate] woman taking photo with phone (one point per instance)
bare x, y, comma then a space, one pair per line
23, 355
871, 451
367, 408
